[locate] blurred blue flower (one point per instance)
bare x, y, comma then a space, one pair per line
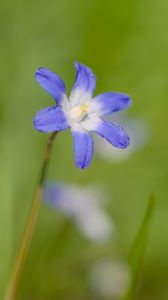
85, 206
81, 113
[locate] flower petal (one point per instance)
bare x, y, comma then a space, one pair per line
85, 82
107, 103
83, 147
52, 83
114, 134
50, 119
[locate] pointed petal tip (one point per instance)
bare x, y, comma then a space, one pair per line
123, 103
125, 143
39, 69
82, 67
82, 166
128, 100
37, 127
41, 72
76, 64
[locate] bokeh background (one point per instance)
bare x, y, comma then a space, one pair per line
126, 44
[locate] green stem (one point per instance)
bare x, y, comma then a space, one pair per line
29, 229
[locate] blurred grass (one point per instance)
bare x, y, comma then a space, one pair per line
137, 252
125, 42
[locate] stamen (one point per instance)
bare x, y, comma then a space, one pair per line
86, 107
78, 112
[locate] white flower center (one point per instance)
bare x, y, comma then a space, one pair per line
78, 112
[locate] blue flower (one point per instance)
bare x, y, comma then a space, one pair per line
85, 206
82, 113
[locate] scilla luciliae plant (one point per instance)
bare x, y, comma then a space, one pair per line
83, 114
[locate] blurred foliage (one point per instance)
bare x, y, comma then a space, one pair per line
125, 43
137, 252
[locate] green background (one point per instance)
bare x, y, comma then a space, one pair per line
126, 44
